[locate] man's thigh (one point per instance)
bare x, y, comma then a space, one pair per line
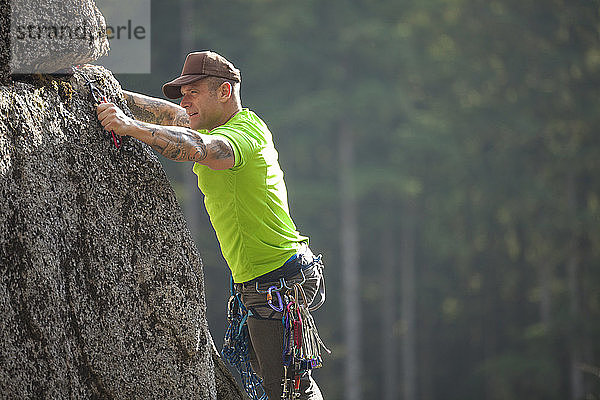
266, 338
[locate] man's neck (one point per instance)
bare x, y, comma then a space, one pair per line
229, 115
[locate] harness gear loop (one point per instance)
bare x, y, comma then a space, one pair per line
301, 282
281, 283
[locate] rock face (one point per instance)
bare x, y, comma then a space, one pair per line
101, 287
4, 40
50, 35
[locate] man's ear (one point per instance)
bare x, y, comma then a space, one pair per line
225, 92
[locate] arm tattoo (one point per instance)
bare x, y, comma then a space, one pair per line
220, 150
200, 148
155, 111
181, 119
178, 144
184, 144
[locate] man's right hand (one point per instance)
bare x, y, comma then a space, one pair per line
114, 119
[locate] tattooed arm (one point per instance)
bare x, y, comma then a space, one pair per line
156, 111
174, 142
184, 144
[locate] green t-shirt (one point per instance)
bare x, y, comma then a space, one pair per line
248, 204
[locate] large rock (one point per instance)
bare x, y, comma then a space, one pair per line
101, 287
50, 35
4, 40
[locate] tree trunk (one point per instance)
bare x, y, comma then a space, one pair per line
545, 294
576, 375
350, 264
389, 311
408, 301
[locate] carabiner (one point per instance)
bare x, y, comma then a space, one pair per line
270, 299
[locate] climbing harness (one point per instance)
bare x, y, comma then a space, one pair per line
235, 346
100, 98
301, 343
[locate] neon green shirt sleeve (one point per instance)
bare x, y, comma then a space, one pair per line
243, 144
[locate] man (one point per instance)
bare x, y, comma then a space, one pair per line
245, 194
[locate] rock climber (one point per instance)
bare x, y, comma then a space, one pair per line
245, 196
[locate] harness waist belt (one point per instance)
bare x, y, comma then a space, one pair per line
302, 259
287, 270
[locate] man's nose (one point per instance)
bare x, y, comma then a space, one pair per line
184, 102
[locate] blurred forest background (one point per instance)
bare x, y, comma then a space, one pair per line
444, 157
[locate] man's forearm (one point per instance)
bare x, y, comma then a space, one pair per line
173, 142
156, 111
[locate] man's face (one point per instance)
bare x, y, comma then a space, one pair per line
201, 105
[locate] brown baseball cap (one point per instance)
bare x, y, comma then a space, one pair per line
199, 65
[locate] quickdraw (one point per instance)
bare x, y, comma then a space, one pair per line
98, 97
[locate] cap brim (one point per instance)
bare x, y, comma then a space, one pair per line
173, 89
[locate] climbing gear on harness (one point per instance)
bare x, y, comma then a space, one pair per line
301, 350
310, 342
302, 344
100, 98
235, 346
270, 299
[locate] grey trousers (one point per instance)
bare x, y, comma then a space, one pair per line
267, 333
